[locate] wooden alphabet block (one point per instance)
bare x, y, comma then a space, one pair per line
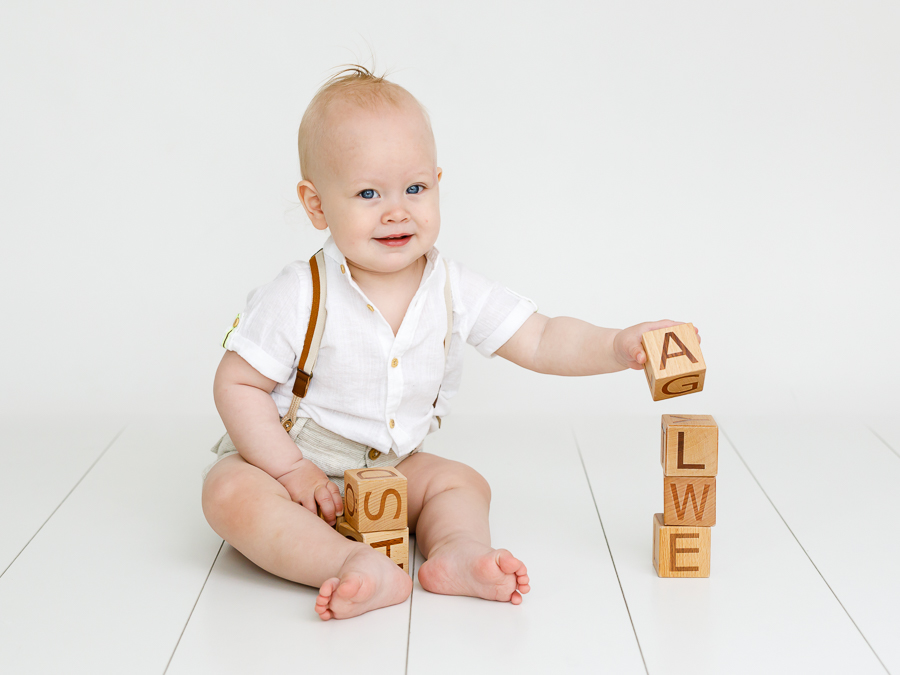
680, 551
375, 499
393, 543
690, 445
674, 366
689, 500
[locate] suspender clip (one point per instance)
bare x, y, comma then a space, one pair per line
301, 383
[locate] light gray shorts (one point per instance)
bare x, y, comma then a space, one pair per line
329, 451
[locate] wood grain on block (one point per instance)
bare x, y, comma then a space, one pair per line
689, 445
375, 499
675, 365
689, 500
393, 543
680, 551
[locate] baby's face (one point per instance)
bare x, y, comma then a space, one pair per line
379, 186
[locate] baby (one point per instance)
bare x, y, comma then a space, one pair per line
385, 370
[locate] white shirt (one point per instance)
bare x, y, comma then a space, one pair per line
355, 390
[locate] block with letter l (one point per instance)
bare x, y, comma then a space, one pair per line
689, 445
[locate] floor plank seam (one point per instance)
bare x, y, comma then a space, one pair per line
191, 613
802, 548
886, 444
412, 569
68, 494
609, 548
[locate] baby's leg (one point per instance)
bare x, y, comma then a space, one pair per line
448, 509
254, 513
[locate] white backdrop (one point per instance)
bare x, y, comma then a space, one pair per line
731, 164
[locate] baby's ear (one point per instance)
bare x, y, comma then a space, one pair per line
440, 171
312, 203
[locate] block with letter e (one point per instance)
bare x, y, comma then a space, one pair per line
375, 499
674, 365
690, 445
680, 551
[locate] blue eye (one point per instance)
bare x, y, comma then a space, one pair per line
416, 189
368, 194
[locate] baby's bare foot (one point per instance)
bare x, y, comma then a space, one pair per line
471, 568
368, 580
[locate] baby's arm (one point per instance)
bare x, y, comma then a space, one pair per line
566, 346
242, 396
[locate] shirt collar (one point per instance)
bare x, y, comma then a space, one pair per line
431, 259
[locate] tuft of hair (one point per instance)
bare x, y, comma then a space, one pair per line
359, 86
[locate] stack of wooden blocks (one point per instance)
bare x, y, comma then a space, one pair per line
375, 511
689, 456
690, 460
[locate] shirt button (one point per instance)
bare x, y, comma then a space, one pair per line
371, 309
374, 454
395, 363
342, 269
236, 322
392, 424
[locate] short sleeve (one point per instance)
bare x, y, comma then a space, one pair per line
270, 332
489, 313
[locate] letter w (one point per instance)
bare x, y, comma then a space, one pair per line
689, 494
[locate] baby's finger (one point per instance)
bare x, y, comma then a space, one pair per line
336, 497
639, 357
656, 325
325, 502
308, 501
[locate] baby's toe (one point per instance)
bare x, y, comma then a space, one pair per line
508, 563
326, 590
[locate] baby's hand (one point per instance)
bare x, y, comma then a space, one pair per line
309, 486
627, 344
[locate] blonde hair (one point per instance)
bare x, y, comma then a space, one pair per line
357, 85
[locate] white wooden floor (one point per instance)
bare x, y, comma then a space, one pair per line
107, 565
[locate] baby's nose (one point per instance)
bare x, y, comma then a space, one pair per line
397, 214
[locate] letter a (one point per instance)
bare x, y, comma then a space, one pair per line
665, 350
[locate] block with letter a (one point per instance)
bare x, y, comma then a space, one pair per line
375, 499
675, 365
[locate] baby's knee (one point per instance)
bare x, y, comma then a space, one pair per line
222, 496
463, 476
213, 496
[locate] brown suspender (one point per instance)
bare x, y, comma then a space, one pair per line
301, 382
314, 331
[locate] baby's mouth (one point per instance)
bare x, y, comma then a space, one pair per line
394, 240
